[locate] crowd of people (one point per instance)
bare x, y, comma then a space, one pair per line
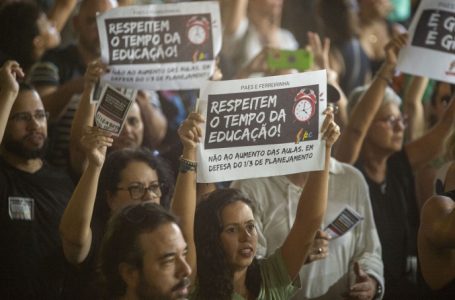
85, 214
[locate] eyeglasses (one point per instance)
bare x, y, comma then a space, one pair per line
25, 117
138, 190
393, 121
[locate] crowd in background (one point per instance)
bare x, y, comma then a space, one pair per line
88, 215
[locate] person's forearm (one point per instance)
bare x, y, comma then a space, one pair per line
413, 107
83, 117
351, 140
60, 12
6, 103
184, 206
56, 102
75, 223
233, 13
155, 124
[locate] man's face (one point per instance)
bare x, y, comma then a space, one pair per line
165, 271
26, 130
132, 132
85, 23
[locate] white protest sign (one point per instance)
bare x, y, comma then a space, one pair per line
112, 109
346, 220
262, 126
432, 42
158, 47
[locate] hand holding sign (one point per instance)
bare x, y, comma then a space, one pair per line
93, 73
393, 48
190, 134
95, 142
330, 130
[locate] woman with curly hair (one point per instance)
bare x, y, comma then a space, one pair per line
221, 233
128, 176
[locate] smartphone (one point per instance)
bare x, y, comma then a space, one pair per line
300, 59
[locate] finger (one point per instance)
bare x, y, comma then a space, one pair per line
360, 287
361, 275
323, 235
328, 119
196, 117
358, 296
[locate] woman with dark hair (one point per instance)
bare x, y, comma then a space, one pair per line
25, 33
221, 234
128, 176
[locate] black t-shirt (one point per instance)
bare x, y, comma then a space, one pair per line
32, 265
397, 220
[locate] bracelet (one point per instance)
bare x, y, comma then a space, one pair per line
187, 165
388, 80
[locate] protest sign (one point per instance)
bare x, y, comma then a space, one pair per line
346, 220
112, 109
262, 126
432, 42
165, 46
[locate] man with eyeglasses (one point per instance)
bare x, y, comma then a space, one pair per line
33, 195
143, 255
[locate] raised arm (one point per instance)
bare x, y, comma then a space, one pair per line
75, 230
311, 207
233, 12
351, 141
84, 116
9, 88
184, 199
436, 241
61, 11
413, 107
155, 123
431, 144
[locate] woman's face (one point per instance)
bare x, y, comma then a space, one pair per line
138, 182
387, 129
239, 235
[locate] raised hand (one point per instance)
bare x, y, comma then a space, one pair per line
320, 50
95, 142
320, 247
93, 73
190, 132
330, 130
9, 73
393, 48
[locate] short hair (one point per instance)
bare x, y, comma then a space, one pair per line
18, 28
356, 95
214, 273
120, 242
116, 162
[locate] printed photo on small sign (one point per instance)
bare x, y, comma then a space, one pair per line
163, 46
95, 95
262, 127
346, 220
431, 49
112, 110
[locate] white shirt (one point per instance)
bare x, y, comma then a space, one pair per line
241, 47
276, 200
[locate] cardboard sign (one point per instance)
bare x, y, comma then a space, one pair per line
166, 46
262, 126
432, 42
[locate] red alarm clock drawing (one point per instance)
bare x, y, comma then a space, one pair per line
304, 105
198, 30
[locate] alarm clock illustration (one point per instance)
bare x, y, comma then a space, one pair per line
198, 30
304, 105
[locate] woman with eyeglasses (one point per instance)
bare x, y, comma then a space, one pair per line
373, 141
221, 232
127, 176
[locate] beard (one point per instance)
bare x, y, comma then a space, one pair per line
18, 148
146, 292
